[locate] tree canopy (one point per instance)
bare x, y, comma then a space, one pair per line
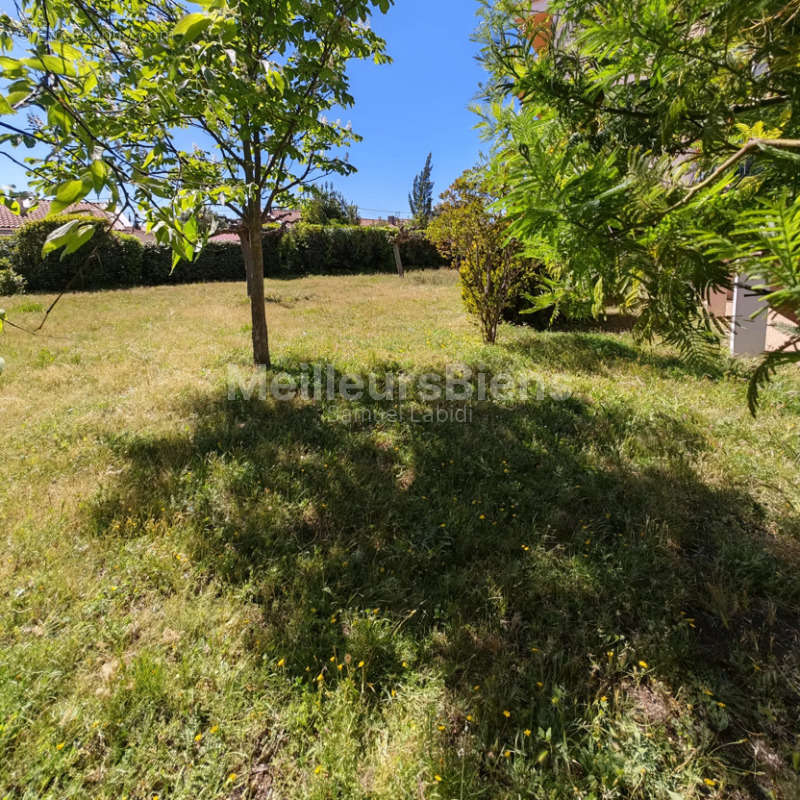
640, 137
106, 92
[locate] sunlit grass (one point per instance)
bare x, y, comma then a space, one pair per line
591, 597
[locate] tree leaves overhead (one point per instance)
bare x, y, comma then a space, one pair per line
633, 132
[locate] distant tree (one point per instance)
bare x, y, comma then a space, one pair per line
420, 201
326, 206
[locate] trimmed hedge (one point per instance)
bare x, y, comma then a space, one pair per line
113, 260
106, 261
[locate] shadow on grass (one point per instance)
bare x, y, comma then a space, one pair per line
593, 352
540, 552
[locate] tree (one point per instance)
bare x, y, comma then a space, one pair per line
638, 136
474, 237
420, 201
326, 206
112, 89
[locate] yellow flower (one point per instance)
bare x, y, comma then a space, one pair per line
603, 699
469, 717
709, 782
320, 677
405, 664
507, 754
232, 777
333, 659
540, 684
360, 664
213, 729
708, 692
441, 727
282, 662
199, 737
643, 664
527, 731
476, 688
721, 705
318, 770
506, 714
340, 667
60, 745
437, 778
482, 516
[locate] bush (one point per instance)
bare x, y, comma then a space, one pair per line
10, 282
113, 260
106, 261
418, 252
318, 249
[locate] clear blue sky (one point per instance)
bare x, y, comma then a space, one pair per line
404, 110
416, 105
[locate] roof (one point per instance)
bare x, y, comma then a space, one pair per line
9, 221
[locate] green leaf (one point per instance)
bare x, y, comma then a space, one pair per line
51, 63
69, 193
71, 236
191, 26
99, 172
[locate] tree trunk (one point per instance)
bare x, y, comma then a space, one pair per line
398, 261
253, 252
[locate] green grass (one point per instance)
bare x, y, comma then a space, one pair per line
202, 598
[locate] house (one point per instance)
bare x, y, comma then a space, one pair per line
750, 335
11, 222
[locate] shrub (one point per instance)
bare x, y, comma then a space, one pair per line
108, 260
469, 232
10, 282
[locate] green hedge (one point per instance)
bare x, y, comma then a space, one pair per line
107, 261
112, 260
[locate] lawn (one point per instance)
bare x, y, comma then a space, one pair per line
593, 592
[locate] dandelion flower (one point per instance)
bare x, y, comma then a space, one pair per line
507, 754
437, 778
527, 731
232, 777
506, 714
199, 737
360, 664
213, 729
709, 782
282, 662
643, 664
60, 745
441, 727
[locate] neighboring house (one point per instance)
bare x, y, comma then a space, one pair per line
749, 335
380, 222
11, 222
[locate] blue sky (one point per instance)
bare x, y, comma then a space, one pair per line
418, 104
404, 110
